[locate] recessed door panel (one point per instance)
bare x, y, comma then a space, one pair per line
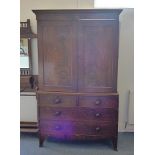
97, 56
58, 67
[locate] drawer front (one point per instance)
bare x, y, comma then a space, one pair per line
57, 100
104, 115
57, 113
58, 128
99, 102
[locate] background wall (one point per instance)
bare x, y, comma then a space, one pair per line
125, 65
26, 7
126, 46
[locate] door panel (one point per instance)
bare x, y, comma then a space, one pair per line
57, 56
97, 56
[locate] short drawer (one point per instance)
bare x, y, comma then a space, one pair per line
104, 115
76, 128
51, 100
57, 113
99, 101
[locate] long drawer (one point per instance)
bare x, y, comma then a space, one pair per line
58, 128
104, 115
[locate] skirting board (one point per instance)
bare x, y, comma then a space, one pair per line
123, 128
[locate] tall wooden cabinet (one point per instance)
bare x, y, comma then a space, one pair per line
78, 59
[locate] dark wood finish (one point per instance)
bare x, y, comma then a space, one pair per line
103, 115
25, 30
78, 59
57, 100
40, 92
57, 56
70, 128
76, 14
97, 56
41, 139
99, 101
114, 142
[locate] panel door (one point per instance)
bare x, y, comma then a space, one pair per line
98, 54
57, 55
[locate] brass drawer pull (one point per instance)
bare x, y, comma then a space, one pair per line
57, 127
98, 102
57, 113
98, 129
57, 100
97, 114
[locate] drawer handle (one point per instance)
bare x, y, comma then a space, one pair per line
57, 100
57, 113
57, 127
98, 129
97, 114
98, 102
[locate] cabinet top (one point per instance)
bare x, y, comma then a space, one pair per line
77, 14
116, 11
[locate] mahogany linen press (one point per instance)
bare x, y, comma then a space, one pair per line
78, 61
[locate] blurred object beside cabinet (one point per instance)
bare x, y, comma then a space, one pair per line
28, 112
28, 81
